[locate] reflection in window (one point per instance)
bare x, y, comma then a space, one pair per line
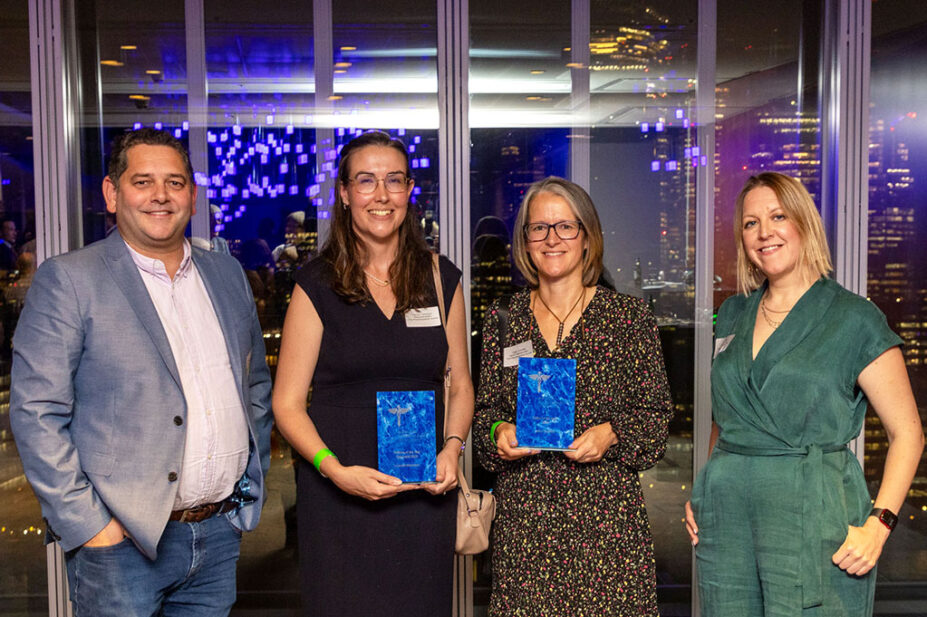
23, 579
766, 110
897, 266
643, 183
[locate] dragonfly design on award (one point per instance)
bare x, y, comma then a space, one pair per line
539, 378
398, 411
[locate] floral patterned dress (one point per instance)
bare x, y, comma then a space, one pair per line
573, 539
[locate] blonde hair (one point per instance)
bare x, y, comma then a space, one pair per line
800, 208
581, 205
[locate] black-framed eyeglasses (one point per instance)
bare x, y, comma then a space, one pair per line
394, 183
565, 230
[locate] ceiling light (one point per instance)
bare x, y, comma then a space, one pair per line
152, 72
342, 65
139, 97
537, 72
111, 63
128, 47
348, 48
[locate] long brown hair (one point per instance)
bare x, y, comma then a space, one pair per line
410, 272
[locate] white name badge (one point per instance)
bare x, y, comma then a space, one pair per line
510, 355
423, 317
721, 344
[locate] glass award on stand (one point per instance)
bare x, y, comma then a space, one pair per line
406, 435
546, 403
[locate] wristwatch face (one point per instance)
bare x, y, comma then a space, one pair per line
887, 517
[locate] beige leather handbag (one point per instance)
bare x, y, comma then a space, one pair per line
475, 508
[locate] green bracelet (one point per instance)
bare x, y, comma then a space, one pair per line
492, 431
320, 456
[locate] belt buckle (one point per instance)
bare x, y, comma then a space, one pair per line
197, 514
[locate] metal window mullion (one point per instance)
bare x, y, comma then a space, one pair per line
454, 130
197, 109
704, 241
453, 67
55, 107
54, 126
580, 146
324, 87
844, 144
847, 160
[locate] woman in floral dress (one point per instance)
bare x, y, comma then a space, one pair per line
572, 537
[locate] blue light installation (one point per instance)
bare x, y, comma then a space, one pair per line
264, 171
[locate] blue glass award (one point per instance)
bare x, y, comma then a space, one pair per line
546, 403
406, 435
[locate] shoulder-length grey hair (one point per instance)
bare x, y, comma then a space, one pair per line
585, 212
800, 208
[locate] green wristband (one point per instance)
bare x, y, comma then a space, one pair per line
320, 456
492, 431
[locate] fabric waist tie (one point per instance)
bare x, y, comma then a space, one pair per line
812, 515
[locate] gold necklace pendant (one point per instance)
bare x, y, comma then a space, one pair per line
378, 280
773, 324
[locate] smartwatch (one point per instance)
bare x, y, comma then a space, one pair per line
886, 517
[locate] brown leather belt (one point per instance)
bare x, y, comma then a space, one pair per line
201, 513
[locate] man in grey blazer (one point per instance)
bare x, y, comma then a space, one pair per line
140, 400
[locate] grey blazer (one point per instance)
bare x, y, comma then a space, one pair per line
96, 404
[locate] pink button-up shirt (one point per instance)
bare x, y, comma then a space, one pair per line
216, 447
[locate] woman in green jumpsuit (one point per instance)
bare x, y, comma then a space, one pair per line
784, 518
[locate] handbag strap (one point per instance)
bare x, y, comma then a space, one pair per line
502, 312
439, 290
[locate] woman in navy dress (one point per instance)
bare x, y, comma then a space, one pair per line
369, 544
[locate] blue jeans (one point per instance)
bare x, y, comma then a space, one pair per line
194, 574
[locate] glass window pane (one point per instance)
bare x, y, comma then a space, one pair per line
897, 268
767, 116
519, 53
133, 72
23, 577
385, 71
644, 159
648, 218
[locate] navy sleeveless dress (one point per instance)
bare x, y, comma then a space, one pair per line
390, 557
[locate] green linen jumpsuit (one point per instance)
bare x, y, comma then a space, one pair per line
775, 499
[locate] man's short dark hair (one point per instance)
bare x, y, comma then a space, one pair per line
119, 160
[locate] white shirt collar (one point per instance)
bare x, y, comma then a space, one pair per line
155, 267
